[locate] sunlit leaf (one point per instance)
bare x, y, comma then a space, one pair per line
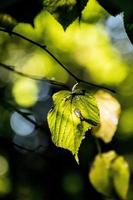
109, 109
72, 115
100, 174
65, 11
120, 176
109, 174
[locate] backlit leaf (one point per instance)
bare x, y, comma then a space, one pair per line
109, 109
120, 176
72, 115
109, 174
100, 173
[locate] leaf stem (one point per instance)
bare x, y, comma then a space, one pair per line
44, 47
98, 145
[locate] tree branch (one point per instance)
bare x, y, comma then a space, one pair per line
54, 57
12, 69
6, 103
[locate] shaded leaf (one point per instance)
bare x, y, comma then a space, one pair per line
109, 174
109, 109
128, 22
111, 6
65, 11
72, 115
21, 10
115, 7
6, 21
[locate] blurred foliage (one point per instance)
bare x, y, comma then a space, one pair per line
110, 110
96, 50
115, 175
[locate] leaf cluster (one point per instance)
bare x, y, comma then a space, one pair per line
15, 11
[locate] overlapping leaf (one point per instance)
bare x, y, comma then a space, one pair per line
110, 174
65, 11
72, 115
109, 109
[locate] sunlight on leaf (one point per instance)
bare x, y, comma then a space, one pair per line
100, 175
109, 174
93, 12
73, 113
109, 109
120, 172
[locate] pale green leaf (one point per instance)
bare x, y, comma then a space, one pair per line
72, 115
100, 173
109, 174
109, 109
121, 176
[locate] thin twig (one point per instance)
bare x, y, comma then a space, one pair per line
42, 47
54, 57
23, 114
34, 77
98, 86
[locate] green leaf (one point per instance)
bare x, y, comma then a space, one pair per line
110, 110
120, 176
100, 173
109, 174
65, 11
72, 115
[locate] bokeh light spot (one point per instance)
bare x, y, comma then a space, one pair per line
25, 92
20, 125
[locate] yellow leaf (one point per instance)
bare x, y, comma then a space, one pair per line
109, 109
